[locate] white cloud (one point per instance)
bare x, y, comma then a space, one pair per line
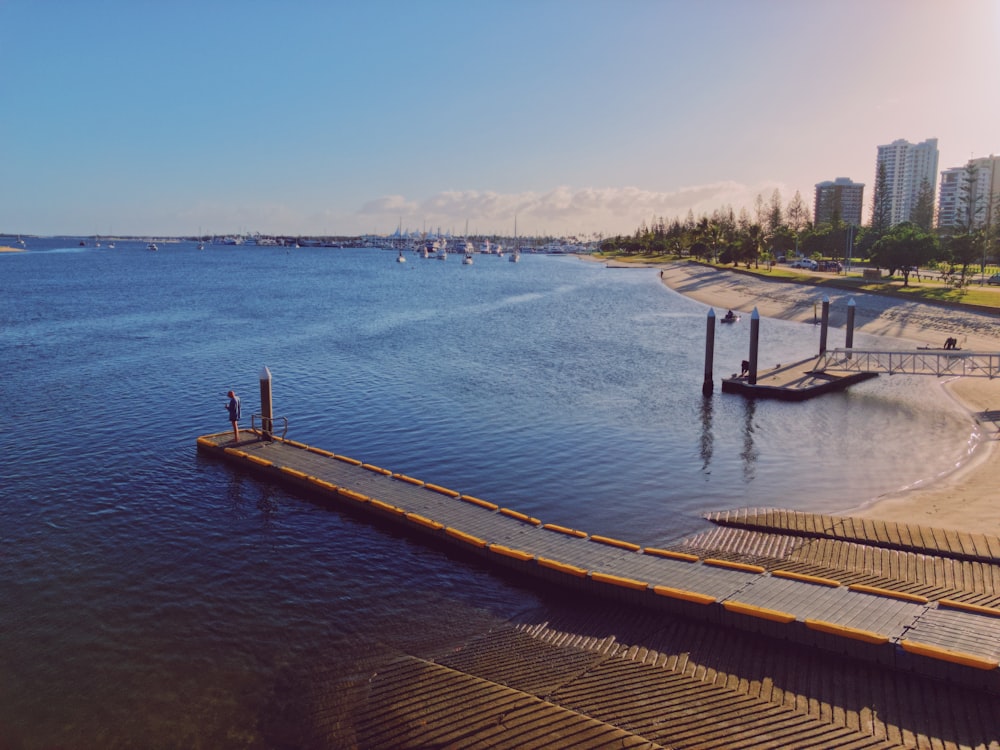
562, 210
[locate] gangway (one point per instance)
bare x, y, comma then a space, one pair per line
939, 362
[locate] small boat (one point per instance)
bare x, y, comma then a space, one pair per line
727, 318
152, 246
400, 258
467, 260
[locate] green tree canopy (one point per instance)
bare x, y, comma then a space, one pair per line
903, 248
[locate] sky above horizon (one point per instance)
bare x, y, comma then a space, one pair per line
574, 116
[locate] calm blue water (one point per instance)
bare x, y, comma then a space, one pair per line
153, 598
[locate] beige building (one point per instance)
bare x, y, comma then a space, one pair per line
963, 205
842, 196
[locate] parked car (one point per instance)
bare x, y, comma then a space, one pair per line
994, 279
829, 265
806, 263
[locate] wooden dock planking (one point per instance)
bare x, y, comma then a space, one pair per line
744, 597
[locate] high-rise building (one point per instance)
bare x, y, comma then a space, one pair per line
842, 197
969, 195
908, 166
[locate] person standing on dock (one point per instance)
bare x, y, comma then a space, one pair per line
234, 414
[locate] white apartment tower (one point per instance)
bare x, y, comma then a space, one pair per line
842, 196
907, 166
965, 205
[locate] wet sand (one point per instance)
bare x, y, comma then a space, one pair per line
964, 499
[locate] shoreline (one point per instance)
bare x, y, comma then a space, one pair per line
962, 499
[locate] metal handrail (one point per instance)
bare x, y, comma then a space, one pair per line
269, 430
921, 362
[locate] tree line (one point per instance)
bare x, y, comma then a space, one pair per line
773, 230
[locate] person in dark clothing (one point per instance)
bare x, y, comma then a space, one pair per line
233, 407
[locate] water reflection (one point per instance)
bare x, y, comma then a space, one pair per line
706, 434
749, 452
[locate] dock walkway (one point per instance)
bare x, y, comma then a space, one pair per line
941, 637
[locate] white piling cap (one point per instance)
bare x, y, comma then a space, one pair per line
265, 374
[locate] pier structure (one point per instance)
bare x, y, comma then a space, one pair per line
837, 369
937, 362
942, 635
772, 629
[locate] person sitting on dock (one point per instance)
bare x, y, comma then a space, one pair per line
730, 315
951, 343
744, 368
234, 414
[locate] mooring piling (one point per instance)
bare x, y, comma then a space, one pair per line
754, 336
825, 326
849, 337
266, 406
706, 386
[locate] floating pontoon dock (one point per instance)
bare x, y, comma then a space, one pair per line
943, 636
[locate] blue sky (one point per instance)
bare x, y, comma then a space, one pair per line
578, 117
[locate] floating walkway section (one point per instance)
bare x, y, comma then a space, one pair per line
797, 381
945, 638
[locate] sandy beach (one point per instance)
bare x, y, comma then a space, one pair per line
965, 498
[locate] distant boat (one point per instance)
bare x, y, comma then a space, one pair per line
467, 260
201, 245
400, 258
729, 319
152, 246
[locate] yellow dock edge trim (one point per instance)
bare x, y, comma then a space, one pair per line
979, 609
320, 452
565, 530
628, 583
323, 483
206, 443
351, 494
856, 634
762, 613
409, 480
235, 452
946, 654
688, 596
746, 567
477, 501
614, 542
388, 508
463, 537
258, 460
510, 552
442, 490
376, 469
424, 521
561, 567
520, 516
346, 460
805, 578
225, 435
670, 554
293, 443
888, 592
293, 472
